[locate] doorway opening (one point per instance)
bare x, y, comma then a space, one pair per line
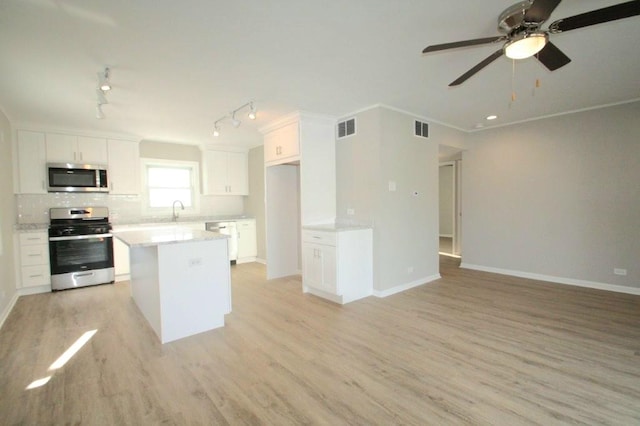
449, 208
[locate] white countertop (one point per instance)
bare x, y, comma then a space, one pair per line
335, 227
165, 235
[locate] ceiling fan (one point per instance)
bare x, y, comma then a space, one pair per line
522, 36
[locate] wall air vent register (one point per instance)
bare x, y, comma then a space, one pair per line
421, 129
346, 128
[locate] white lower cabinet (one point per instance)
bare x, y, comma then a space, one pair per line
337, 263
320, 267
247, 244
34, 259
121, 260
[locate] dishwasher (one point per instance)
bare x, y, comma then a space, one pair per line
230, 229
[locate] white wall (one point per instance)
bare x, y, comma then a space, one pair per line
405, 225
254, 204
558, 198
7, 219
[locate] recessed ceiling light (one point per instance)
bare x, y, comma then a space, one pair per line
492, 117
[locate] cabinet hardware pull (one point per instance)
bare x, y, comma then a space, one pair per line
35, 276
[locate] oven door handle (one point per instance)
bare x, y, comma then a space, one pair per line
80, 237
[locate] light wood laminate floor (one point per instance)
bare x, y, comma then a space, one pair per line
471, 348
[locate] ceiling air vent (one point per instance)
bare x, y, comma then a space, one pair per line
346, 128
422, 129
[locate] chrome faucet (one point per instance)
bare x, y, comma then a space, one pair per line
176, 215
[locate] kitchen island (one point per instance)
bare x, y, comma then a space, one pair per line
180, 279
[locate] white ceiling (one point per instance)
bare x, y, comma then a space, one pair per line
177, 66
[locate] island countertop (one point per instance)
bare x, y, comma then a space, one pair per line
165, 235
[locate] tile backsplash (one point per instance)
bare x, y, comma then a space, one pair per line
34, 208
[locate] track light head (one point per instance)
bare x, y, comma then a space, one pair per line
234, 121
99, 113
103, 81
252, 113
101, 98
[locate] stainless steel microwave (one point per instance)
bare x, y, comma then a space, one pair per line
66, 177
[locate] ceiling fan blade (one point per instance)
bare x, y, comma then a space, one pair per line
464, 43
552, 57
495, 55
540, 10
598, 16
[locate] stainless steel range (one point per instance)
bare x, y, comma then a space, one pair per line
80, 247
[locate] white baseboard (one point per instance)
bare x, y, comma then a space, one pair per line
557, 280
404, 287
245, 260
34, 290
259, 260
123, 277
9, 308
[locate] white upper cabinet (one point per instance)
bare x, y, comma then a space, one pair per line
225, 173
124, 167
32, 161
282, 145
63, 148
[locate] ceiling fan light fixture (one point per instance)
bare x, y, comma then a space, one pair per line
525, 45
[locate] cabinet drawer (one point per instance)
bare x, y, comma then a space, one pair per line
34, 255
36, 275
319, 237
32, 238
245, 224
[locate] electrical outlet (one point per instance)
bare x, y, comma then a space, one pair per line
351, 212
620, 271
392, 185
195, 262
410, 270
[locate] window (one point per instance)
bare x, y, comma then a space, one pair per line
166, 181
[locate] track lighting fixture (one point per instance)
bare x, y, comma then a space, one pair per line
103, 80
252, 113
99, 113
235, 122
101, 98
104, 86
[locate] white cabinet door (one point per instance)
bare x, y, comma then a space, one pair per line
62, 148
216, 172
282, 144
32, 175
238, 173
319, 267
124, 167
92, 150
247, 245
226, 173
